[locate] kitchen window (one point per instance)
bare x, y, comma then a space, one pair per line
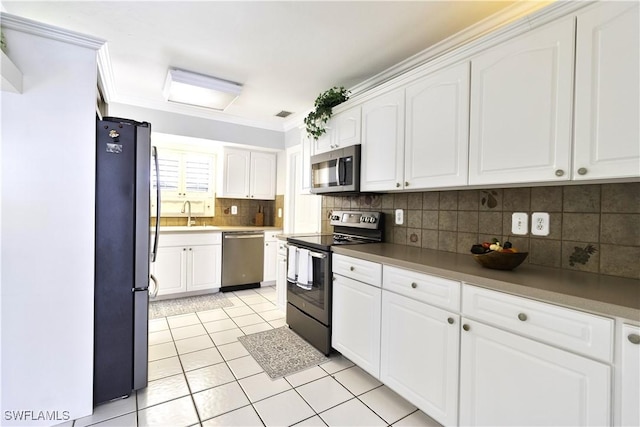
185, 175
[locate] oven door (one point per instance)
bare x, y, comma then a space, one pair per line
315, 298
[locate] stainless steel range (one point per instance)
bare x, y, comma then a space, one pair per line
309, 273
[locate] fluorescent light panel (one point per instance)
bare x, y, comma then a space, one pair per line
186, 87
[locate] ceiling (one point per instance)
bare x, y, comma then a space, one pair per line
284, 52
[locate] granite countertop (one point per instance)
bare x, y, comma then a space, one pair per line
595, 293
194, 228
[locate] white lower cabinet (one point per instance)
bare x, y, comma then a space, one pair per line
509, 380
270, 256
629, 376
419, 355
356, 322
188, 262
281, 275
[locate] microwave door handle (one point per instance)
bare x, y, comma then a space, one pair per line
339, 163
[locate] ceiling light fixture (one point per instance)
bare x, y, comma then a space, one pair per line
186, 87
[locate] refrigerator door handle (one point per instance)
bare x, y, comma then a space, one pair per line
153, 293
154, 253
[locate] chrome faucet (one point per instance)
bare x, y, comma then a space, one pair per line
187, 203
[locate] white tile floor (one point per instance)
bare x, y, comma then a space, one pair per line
200, 375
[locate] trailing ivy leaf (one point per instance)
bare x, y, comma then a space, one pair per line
324, 104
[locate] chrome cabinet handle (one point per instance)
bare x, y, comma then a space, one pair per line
634, 338
559, 172
582, 171
522, 317
414, 285
352, 268
450, 320
406, 183
397, 185
466, 327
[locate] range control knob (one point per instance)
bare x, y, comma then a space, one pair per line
372, 219
363, 219
335, 217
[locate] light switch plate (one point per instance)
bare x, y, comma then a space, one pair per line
540, 224
519, 223
399, 216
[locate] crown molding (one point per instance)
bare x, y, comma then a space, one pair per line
105, 74
36, 28
497, 28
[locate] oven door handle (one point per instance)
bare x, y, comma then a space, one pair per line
317, 255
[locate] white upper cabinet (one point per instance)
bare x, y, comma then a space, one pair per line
437, 130
607, 135
342, 130
382, 153
263, 176
521, 99
246, 174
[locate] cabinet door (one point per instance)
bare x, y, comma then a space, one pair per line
356, 322
263, 176
382, 153
419, 355
508, 380
235, 166
270, 261
436, 148
521, 97
305, 167
203, 269
281, 282
324, 142
346, 127
170, 269
630, 376
607, 92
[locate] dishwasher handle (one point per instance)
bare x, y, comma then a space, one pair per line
243, 236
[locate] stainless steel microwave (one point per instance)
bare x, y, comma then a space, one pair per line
336, 171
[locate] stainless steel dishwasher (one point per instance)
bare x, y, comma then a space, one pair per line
242, 260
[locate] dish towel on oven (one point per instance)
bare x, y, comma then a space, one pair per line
292, 265
304, 259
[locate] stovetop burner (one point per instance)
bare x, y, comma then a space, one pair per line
350, 228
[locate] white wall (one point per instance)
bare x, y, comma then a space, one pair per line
197, 127
47, 228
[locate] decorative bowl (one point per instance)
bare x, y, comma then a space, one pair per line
501, 260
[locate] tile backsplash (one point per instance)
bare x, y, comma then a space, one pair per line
594, 228
246, 216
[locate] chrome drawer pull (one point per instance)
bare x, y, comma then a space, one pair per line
522, 316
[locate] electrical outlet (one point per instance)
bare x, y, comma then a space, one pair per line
234, 210
519, 223
279, 212
540, 224
399, 216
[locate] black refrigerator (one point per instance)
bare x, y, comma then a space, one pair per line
125, 245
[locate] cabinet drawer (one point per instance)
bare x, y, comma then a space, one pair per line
189, 238
573, 330
358, 269
433, 290
270, 236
